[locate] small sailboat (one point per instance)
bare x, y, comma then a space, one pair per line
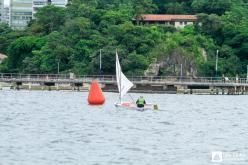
124, 85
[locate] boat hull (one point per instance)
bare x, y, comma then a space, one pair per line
133, 106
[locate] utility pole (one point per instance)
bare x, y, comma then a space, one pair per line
100, 67
216, 64
247, 74
181, 74
58, 67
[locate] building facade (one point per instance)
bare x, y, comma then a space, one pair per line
20, 13
5, 15
41, 3
59, 3
1, 9
38, 4
179, 21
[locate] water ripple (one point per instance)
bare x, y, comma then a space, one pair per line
44, 127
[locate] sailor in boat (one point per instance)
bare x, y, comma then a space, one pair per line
141, 102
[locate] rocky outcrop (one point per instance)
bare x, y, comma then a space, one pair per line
2, 57
153, 70
173, 64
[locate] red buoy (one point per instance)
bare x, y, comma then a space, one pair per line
95, 96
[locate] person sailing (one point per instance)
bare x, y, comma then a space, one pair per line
141, 102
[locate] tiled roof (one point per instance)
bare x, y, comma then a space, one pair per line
2, 56
167, 17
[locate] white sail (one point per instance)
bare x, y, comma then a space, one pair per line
124, 85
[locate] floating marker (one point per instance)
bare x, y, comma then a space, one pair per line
95, 96
155, 107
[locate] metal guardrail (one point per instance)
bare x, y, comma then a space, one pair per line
112, 78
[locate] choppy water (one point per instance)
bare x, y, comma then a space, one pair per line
50, 128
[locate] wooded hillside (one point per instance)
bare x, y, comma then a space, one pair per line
74, 35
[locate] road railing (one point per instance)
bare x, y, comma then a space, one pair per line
112, 78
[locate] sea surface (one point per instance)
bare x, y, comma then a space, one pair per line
57, 128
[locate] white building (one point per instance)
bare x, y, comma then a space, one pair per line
20, 13
59, 3
5, 15
1, 9
38, 4
41, 3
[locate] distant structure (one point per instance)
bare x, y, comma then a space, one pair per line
1, 9
59, 3
5, 15
38, 4
41, 3
22, 11
179, 21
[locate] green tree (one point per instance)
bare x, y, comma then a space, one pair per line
20, 49
4, 28
56, 50
50, 18
7, 35
212, 6
137, 62
141, 7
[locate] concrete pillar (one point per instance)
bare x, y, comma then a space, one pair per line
185, 89
211, 90
217, 91
178, 88
57, 86
223, 91
29, 86
72, 86
235, 90
42, 86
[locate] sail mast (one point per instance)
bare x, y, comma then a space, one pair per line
119, 74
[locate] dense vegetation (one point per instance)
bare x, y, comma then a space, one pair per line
74, 35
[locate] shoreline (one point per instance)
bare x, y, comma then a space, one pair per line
86, 89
